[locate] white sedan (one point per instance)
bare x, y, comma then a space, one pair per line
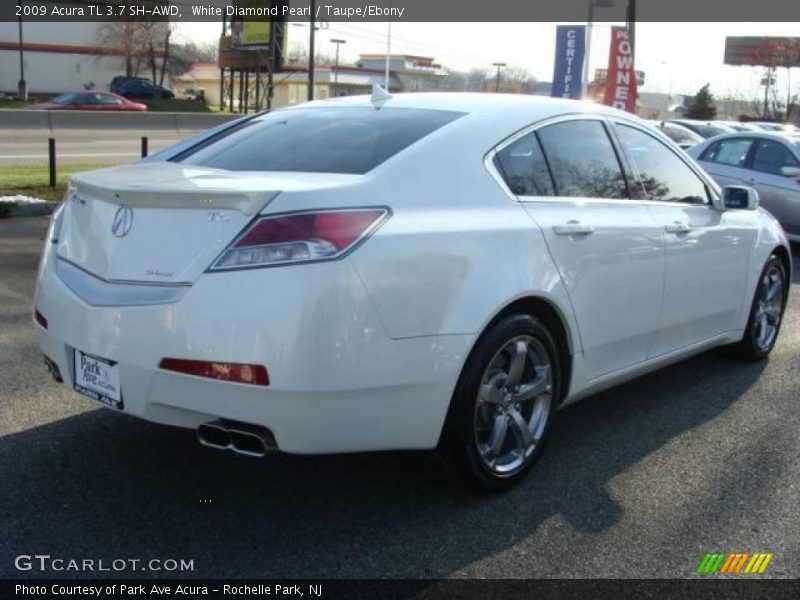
416, 271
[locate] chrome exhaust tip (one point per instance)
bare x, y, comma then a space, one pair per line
214, 436
53, 369
242, 438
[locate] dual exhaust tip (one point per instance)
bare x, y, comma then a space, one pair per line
242, 438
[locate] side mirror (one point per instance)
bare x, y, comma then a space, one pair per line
739, 197
793, 172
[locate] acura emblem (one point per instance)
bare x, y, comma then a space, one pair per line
122, 221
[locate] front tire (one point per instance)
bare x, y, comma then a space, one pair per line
766, 312
504, 403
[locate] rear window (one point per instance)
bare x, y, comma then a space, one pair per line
318, 140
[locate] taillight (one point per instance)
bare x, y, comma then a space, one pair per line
224, 371
300, 237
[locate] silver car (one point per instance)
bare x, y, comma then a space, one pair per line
769, 162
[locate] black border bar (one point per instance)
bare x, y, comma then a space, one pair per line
710, 11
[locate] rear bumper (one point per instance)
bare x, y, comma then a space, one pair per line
337, 382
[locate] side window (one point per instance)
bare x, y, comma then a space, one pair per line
524, 168
582, 160
731, 152
663, 176
771, 157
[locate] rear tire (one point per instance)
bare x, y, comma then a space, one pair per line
504, 403
766, 312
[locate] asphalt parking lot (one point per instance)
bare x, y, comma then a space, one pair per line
639, 481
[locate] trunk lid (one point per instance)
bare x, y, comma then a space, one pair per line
165, 222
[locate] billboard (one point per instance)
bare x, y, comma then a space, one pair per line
762, 51
255, 25
621, 82
253, 21
568, 70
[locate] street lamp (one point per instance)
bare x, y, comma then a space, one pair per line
588, 50
499, 66
338, 43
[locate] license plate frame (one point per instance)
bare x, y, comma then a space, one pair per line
97, 378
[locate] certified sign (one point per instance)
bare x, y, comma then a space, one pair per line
570, 50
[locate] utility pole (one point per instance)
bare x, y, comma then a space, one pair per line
22, 86
338, 43
312, 28
499, 66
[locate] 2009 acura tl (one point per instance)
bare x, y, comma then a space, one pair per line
401, 272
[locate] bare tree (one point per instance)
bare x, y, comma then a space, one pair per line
140, 44
780, 53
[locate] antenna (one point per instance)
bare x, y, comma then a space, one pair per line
379, 95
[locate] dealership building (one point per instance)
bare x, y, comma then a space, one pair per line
55, 58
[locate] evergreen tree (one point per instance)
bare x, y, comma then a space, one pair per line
702, 105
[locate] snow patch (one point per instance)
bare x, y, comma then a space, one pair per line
20, 199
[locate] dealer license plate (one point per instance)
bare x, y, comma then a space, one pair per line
98, 378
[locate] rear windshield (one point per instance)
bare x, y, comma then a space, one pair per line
318, 140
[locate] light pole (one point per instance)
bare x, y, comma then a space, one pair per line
499, 66
631, 18
338, 43
587, 54
22, 87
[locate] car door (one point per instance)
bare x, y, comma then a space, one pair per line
777, 193
607, 248
726, 160
707, 250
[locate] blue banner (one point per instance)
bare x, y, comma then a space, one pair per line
568, 71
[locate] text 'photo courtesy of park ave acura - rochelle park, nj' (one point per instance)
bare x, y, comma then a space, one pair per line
402, 300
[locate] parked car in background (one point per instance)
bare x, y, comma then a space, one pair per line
384, 333
140, 88
705, 129
90, 100
769, 162
684, 137
772, 126
738, 125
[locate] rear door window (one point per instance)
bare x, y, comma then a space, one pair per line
731, 152
583, 160
319, 140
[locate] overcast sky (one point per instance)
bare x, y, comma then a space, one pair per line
683, 56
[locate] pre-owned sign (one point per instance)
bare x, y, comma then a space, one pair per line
569, 61
621, 82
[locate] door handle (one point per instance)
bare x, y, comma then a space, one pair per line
573, 228
678, 227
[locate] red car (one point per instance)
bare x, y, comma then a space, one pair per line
90, 100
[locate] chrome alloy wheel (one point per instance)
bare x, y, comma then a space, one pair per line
769, 307
513, 404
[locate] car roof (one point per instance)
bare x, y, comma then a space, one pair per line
761, 135
538, 107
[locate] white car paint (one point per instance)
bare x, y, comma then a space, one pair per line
364, 352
